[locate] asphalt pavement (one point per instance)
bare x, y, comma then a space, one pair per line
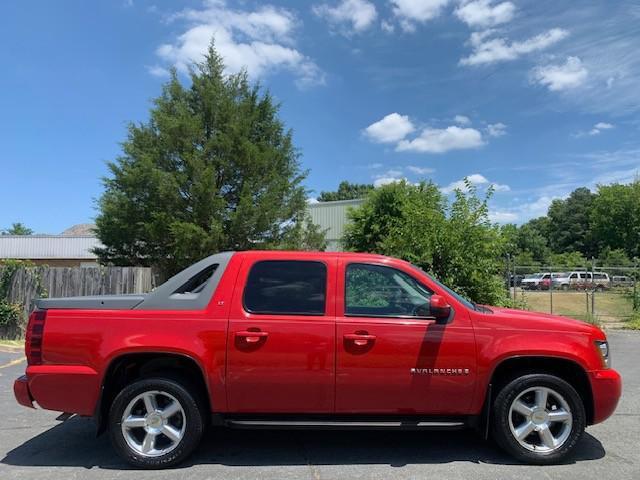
33, 445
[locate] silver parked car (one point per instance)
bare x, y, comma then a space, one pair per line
582, 281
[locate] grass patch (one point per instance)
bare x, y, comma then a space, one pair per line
609, 306
633, 323
11, 343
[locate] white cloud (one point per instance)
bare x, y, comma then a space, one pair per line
462, 120
390, 129
598, 127
496, 129
488, 49
387, 26
440, 140
390, 176
595, 130
477, 180
485, 13
158, 71
570, 74
420, 170
259, 40
474, 179
348, 15
533, 208
410, 12
500, 187
497, 216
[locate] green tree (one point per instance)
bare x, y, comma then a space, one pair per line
570, 223
346, 191
615, 217
213, 169
456, 243
568, 260
17, 229
614, 258
533, 237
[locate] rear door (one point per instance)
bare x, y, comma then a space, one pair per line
392, 358
281, 336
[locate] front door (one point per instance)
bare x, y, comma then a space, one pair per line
281, 336
392, 357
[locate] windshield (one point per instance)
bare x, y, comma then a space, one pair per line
467, 303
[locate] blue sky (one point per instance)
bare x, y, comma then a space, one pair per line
536, 98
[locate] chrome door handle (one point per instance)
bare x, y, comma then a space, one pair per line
359, 339
252, 337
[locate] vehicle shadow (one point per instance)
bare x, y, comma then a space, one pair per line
73, 444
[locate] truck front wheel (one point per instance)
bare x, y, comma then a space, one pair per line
538, 418
155, 423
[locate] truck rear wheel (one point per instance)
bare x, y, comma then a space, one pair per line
155, 423
538, 419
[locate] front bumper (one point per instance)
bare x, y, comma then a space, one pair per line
22, 393
606, 386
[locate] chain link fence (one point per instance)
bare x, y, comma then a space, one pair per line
604, 295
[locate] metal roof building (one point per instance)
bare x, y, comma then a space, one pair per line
54, 250
332, 217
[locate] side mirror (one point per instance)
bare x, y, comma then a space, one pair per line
440, 309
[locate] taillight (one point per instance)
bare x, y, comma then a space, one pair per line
33, 340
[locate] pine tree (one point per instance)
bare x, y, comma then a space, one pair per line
212, 169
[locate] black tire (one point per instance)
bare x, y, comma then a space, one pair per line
501, 418
193, 422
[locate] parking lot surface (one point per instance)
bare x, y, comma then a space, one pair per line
33, 445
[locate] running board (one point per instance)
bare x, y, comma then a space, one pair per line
345, 424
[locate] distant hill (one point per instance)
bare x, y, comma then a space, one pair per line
80, 229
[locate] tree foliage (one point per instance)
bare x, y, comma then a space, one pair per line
615, 217
604, 225
346, 191
570, 223
17, 229
454, 242
213, 169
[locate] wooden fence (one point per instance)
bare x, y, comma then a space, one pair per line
68, 282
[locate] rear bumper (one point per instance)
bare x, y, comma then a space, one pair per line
62, 388
606, 386
22, 393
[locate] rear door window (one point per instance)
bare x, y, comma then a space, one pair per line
286, 287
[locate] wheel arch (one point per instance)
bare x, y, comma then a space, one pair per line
568, 370
131, 366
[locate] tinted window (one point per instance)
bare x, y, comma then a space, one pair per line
383, 291
286, 287
196, 283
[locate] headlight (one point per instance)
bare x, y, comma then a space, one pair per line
603, 348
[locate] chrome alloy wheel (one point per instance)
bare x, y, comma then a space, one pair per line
153, 424
540, 420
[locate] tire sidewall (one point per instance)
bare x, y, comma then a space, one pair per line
193, 420
501, 411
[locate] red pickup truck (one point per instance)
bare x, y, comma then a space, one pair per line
269, 339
